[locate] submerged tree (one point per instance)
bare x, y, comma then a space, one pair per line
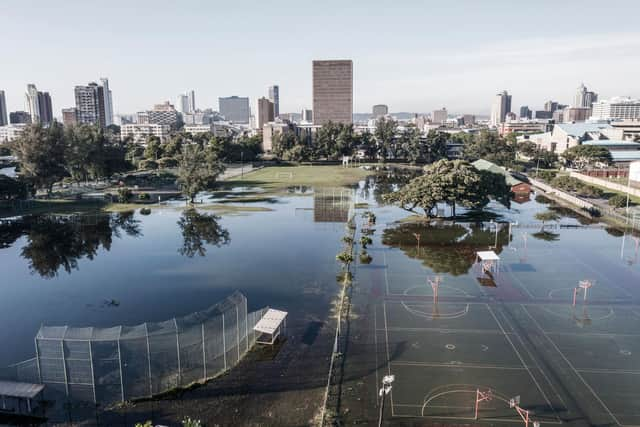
545, 217
452, 182
199, 229
198, 169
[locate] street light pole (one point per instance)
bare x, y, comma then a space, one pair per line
628, 191
241, 163
384, 390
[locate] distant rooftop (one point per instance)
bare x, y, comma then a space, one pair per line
492, 167
625, 155
612, 143
579, 129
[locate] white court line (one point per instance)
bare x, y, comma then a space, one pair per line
375, 340
521, 359
386, 267
602, 277
460, 365
608, 371
449, 331
535, 361
592, 334
522, 286
388, 356
606, 408
503, 420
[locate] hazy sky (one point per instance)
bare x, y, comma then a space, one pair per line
411, 55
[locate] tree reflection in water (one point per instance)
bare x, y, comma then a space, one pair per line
199, 229
55, 242
444, 249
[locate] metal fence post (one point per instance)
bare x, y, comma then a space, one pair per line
246, 323
146, 333
93, 375
204, 354
64, 362
224, 344
120, 364
175, 322
238, 332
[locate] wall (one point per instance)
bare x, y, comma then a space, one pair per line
607, 184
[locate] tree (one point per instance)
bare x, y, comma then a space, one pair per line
618, 201
436, 145
87, 152
198, 229
385, 134
545, 217
452, 182
198, 170
366, 142
333, 140
581, 156
411, 145
490, 146
40, 152
153, 150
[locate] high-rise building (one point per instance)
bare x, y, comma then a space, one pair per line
182, 104
616, 109
332, 91
161, 114
501, 106
19, 117
90, 104
235, 108
306, 116
32, 103
191, 97
274, 97
266, 112
4, 120
46, 109
70, 116
439, 116
380, 110
543, 115
108, 102
584, 98
550, 106
525, 112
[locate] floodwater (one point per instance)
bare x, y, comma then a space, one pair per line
514, 331
108, 270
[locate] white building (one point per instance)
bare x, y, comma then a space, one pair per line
501, 106
584, 98
32, 103
140, 132
108, 102
10, 132
616, 109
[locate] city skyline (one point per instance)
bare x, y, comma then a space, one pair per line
410, 67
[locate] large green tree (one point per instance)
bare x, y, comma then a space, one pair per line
436, 145
385, 135
198, 169
456, 183
198, 229
492, 147
41, 154
582, 156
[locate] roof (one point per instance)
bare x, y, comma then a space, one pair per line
579, 129
488, 256
612, 143
270, 322
485, 165
625, 155
22, 390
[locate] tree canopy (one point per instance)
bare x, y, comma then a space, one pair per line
582, 156
492, 147
198, 169
455, 183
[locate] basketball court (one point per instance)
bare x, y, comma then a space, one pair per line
459, 347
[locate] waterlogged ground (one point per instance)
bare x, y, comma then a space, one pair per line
512, 333
515, 332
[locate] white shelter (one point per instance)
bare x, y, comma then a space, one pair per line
270, 326
490, 261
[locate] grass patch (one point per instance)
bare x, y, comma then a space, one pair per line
222, 209
52, 206
278, 177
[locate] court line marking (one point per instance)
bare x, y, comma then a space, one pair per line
375, 340
606, 408
460, 365
388, 356
444, 417
537, 365
592, 334
521, 285
449, 330
608, 371
386, 267
602, 277
522, 360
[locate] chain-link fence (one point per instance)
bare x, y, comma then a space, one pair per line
106, 365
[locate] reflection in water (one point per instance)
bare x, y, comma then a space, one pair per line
332, 204
445, 249
546, 236
199, 229
60, 241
